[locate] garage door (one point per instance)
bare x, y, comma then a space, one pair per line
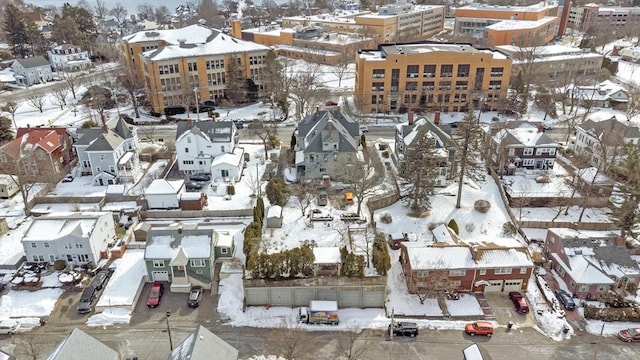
512, 285
494, 286
160, 275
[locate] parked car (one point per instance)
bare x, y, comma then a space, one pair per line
174, 110
202, 108
155, 294
364, 129
519, 302
84, 306
210, 103
100, 278
67, 179
190, 185
9, 327
479, 328
629, 335
404, 329
195, 295
565, 299
200, 177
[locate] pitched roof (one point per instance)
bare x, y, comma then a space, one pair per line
36, 61
79, 342
162, 186
610, 126
329, 126
201, 345
46, 139
526, 135
105, 142
213, 131
166, 243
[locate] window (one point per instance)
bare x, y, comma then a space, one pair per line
197, 262
224, 251
222, 148
502, 271
34, 245
455, 283
199, 272
189, 140
38, 258
422, 273
224, 173
528, 162
429, 71
158, 263
78, 245
523, 271
186, 149
483, 271
67, 245
378, 73
69, 258
583, 288
463, 70
527, 151
496, 71
187, 162
101, 157
512, 151
457, 272
47, 245
446, 71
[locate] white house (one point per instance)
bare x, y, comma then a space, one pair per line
69, 57
199, 143
611, 133
109, 153
163, 194
33, 70
606, 94
228, 166
631, 54
76, 238
8, 186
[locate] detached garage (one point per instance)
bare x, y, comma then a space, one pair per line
163, 194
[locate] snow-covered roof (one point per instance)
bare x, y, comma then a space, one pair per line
583, 271
115, 189
430, 258
225, 239
201, 344
54, 226
274, 211
521, 24
166, 243
492, 258
526, 135
327, 255
79, 342
606, 90
233, 159
193, 34
443, 234
162, 186
190, 196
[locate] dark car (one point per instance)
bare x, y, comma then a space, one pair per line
190, 185
174, 110
84, 306
100, 279
195, 295
200, 177
209, 103
67, 179
519, 302
565, 299
155, 294
404, 329
201, 108
629, 335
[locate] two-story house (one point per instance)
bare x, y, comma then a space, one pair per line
604, 95
405, 144
76, 238
45, 154
109, 153
326, 140
33, 70
591, 263
69, 57
523, 147
185, 254
198, 144
602, 141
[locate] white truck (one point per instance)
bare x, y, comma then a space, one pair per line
319, 312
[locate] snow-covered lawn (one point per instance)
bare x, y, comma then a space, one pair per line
525, 183
592, 215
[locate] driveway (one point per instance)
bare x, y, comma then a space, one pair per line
504, 311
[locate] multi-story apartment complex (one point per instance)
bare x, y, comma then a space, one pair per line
508, 25
180, 65
394, 22
593, 17
430, 76
552, 64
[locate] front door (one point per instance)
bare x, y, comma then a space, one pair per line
52, 258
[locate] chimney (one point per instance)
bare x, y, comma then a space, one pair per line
104, 123
541, 128
410, 117
182, 41
620, 241
436, 118
330, 127
317, 108
180, 229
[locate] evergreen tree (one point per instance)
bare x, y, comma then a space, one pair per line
6, 131
15, 28
468, 137
421, 169
236, 84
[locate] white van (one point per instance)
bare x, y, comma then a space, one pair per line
9, 327
472, 352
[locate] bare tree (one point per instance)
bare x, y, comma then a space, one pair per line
128, 79
350, 347
60, 95
100, 9
290, 341
341, 68
37, 101
265, 133
32, 348
304, 193
73, 81
307, 89
432, 285
633, 106
119, 12
11, 107
361, 178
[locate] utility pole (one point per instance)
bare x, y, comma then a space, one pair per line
195, 90
168, 313
595, 353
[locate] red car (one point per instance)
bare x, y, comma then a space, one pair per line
479, 328
629, 335
519, 302
155, 294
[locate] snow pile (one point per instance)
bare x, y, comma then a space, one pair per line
17, 304
110, 316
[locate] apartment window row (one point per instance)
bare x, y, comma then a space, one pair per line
192, 66
214, 64
172, 100
168, 69
170, 84
216, 79
257, 60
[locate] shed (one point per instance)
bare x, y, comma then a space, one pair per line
8, 186
193, 201
274, 217
141, 230
327, 261
4, 227
163, 194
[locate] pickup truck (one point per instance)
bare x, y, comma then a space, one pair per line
404, 329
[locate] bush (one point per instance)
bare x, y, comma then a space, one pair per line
482, 206
453, 225
495, 118
231, 190
89, 124
386, 218
380, 257
277, 192
508, 229
385, 154
59, 265
470, 227
432, 226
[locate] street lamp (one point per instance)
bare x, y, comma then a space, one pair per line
168, 313
195, 91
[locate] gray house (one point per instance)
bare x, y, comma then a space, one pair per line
184, 254
77, 238
109, 153
79, 342
33, 70
325, 141
201, 345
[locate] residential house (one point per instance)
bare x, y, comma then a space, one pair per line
591, 263
201, 344
522, 147
498, 265
77, 238
602, 141
445, 148
198, 144
79, 342
631, 54
327, 261
8, 186
69, 57
31, 71
604, 95
326, 141
45, 154
109, 153
164, 194
229, 166
184, 254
